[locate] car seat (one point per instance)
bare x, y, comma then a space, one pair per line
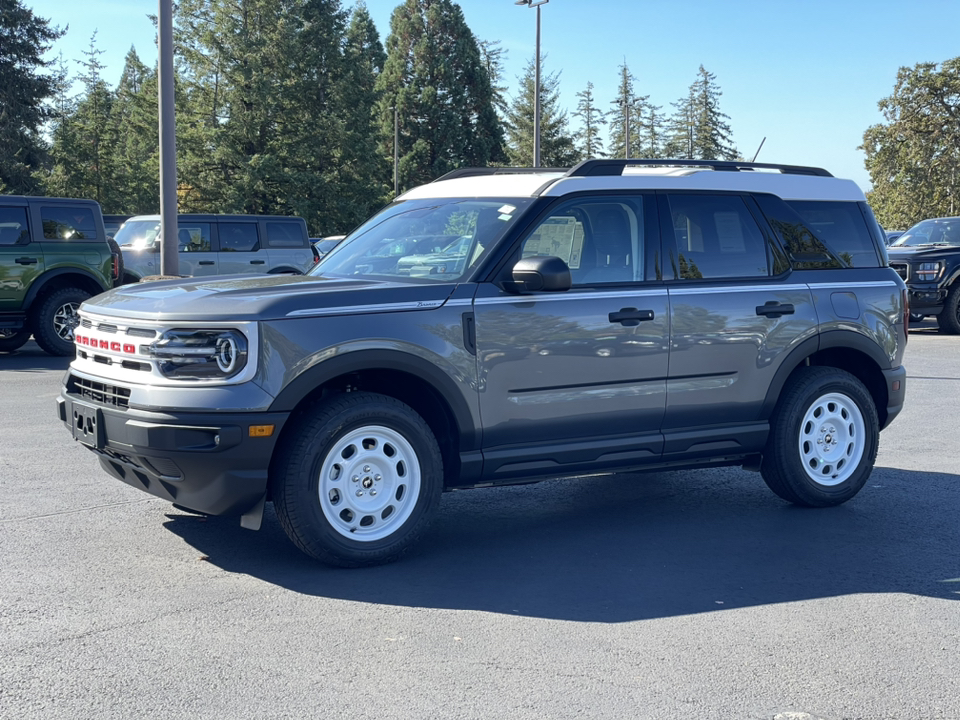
612, 243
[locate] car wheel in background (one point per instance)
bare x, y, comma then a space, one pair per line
948, 320
11, 340
54, 319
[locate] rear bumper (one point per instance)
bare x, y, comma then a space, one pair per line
896, 380
203, 461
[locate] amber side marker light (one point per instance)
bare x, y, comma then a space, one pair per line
261, 430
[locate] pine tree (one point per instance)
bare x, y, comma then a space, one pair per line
435, 77
557, 147
24, 90
618, 117
591, 120
493, 57
680, 130
711, 132
135, 154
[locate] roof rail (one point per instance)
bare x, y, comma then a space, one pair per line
476, 171
589, 168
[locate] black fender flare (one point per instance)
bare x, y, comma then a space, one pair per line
37, 286
284, 271
846, 339
383, 359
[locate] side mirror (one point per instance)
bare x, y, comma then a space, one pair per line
542, 272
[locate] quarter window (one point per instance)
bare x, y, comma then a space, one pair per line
841, 227
238, 237
193, 237
716, 237
68, 223
13, 226
284, 234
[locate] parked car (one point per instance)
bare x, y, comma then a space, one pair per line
54, 254
112, 223
692, 314
927, 257
325, 244
892, 235
218, 245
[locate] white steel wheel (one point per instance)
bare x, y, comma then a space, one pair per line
369, 483
832, 439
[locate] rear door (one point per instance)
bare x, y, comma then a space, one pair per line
21, 260
72, 236
736, 312
240, 247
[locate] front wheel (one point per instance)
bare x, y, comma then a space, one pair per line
55, 319
357, 480
948, 321
824, 437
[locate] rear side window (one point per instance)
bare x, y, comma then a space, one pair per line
63, 222
841, 227
239, 237
193, 237
13, 226
284, 234
716, 237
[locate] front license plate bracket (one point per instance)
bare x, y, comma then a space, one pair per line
87, 424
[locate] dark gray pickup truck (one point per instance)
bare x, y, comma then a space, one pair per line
622, 315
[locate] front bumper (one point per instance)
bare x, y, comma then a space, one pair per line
202, 461
926, 298
896, 380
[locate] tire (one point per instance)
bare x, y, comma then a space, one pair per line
11, 340
54, 319
357, 480
824, 437
115, 251
948, 321
915, 317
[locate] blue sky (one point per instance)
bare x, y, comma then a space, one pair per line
805, 74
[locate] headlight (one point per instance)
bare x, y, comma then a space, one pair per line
929, 270
188, 354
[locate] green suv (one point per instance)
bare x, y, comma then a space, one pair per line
54, 254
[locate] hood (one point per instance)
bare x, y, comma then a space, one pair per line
263, 297
922, 252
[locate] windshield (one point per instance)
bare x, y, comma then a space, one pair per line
138, 233
435, 240
931, 232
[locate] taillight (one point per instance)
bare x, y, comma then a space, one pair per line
116, 265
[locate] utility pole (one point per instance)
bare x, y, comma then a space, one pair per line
169, 248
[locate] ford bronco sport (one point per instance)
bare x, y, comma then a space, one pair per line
500, 326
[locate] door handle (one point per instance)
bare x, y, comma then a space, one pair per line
25, 261
630, 317
774, 309
207, 262
257, 262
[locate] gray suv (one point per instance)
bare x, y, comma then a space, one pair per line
500, 326
218, 245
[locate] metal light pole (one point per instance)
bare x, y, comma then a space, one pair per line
396, 151
536, 87
169, 257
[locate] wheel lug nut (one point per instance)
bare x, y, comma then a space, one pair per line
359, 493
356, 478
366, 468
373, 492
377, 478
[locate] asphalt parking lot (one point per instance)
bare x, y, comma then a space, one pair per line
684, 595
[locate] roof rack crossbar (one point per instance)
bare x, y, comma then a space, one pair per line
589, 168
477, 171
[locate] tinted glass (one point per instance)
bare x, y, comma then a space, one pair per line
716, 237
194, 237
284, 234
432, 240
13, 226
238, 237
601, 239
68, 223
841, 227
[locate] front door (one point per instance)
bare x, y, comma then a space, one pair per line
575, 380
197, 257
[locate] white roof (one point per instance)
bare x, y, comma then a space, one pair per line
786, 186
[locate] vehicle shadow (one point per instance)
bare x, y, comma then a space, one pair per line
30, 358
631, 547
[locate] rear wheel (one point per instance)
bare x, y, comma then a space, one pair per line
55, 318
357, 480
948, 320
824, 437
11, 340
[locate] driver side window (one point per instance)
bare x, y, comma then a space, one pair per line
600, 239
